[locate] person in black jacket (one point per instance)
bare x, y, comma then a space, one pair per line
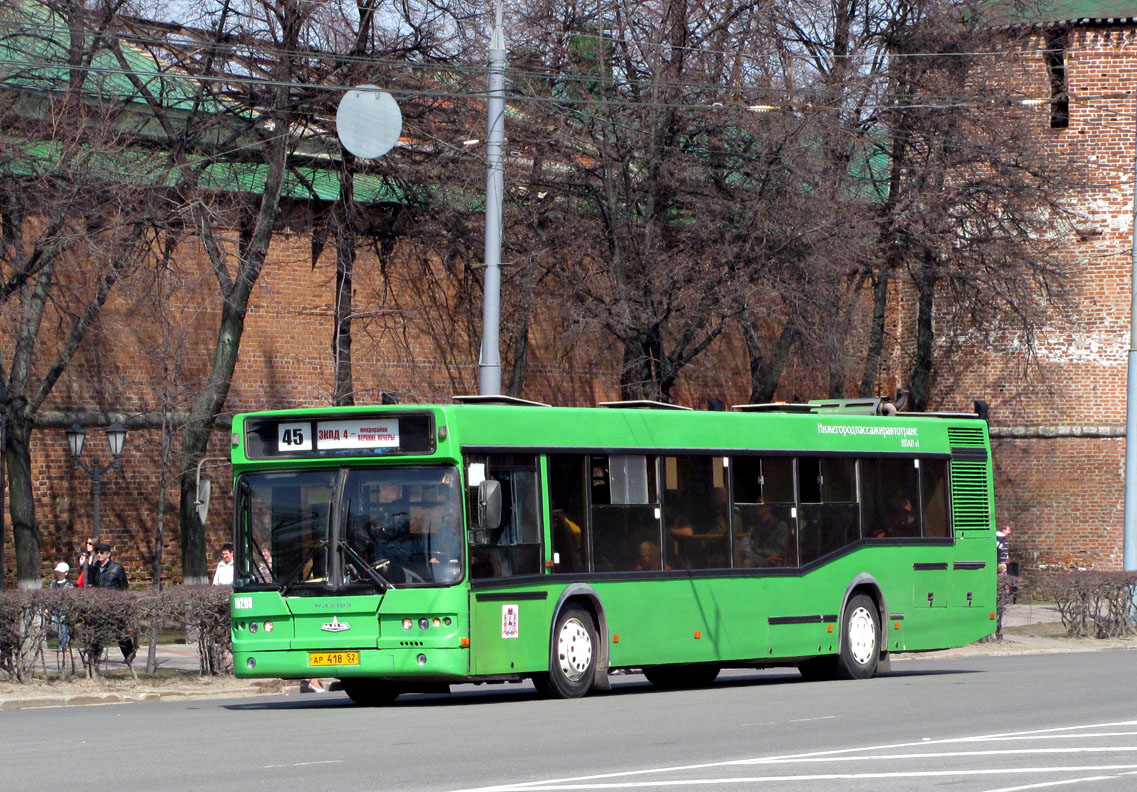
107, 573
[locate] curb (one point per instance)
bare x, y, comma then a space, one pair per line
273, 687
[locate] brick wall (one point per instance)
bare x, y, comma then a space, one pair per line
1060, 452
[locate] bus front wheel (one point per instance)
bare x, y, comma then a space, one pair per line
572, 665
369, 692
860, 639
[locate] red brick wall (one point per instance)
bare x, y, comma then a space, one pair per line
1061, 448
418, 331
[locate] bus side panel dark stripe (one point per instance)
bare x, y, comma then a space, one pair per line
930, 567
970, 564
496, 596
816, 619
969, 454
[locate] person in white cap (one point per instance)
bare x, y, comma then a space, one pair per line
59, 620
62, 569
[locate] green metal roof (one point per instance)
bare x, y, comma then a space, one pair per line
33, 63
152, 168
1031, 12
34, 44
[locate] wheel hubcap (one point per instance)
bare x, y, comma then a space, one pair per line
574, 649
862, 636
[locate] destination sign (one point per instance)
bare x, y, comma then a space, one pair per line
339, 435
352, 434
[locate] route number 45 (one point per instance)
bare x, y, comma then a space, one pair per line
294, 437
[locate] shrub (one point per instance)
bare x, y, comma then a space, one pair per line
1092, 604
98, 618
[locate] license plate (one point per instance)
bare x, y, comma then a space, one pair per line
333, 658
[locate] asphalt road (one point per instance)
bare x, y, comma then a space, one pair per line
981, 723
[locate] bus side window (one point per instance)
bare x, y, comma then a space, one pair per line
829, 509
625, 510
890, 492
934, 492
568, 506
513, 545
696, 513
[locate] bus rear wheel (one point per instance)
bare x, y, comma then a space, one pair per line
572, 665
679, 677
860, 639
369, 692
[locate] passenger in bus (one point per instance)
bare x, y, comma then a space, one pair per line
767, 541
650, 558
907, 522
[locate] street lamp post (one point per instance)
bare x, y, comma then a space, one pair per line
116, 437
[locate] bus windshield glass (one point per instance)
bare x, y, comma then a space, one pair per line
390, 527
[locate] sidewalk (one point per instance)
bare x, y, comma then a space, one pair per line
1027, 629
116, 685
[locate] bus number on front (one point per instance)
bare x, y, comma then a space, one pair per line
294, 436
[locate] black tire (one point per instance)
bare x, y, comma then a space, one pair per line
682, 676
369, 692
572, 661
860, 639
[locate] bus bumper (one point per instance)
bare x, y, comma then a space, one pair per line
422, 663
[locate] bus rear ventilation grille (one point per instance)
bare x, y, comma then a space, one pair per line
969, 436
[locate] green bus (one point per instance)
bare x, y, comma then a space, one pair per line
404, 548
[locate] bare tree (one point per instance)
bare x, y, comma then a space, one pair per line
70, 229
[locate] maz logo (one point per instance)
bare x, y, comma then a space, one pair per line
335, 625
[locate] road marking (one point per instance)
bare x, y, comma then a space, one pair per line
947, 755
604, 780
302, 764
1045, 784
570, 784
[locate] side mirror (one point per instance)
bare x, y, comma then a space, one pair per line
204, 488
489, 504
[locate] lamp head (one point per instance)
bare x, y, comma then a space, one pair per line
75, 437
116, 437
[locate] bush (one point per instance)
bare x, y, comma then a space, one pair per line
97, 618
1092, 604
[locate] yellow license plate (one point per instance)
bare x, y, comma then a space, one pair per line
333, 658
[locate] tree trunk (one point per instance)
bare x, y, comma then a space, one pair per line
920, 379
25, 527
344, 389
765, 374
199, 428
876, 334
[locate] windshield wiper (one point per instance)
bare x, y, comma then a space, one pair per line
360, 563
295, 576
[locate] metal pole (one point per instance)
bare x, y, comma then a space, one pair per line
3, 488
96, 490
1130, 535
489, 367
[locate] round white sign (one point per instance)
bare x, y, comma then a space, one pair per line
368, 121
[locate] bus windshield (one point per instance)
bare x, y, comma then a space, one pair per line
390, 527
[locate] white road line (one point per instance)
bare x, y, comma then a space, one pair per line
554, 786
923, 743
303, 764
1066, 782
949, 754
